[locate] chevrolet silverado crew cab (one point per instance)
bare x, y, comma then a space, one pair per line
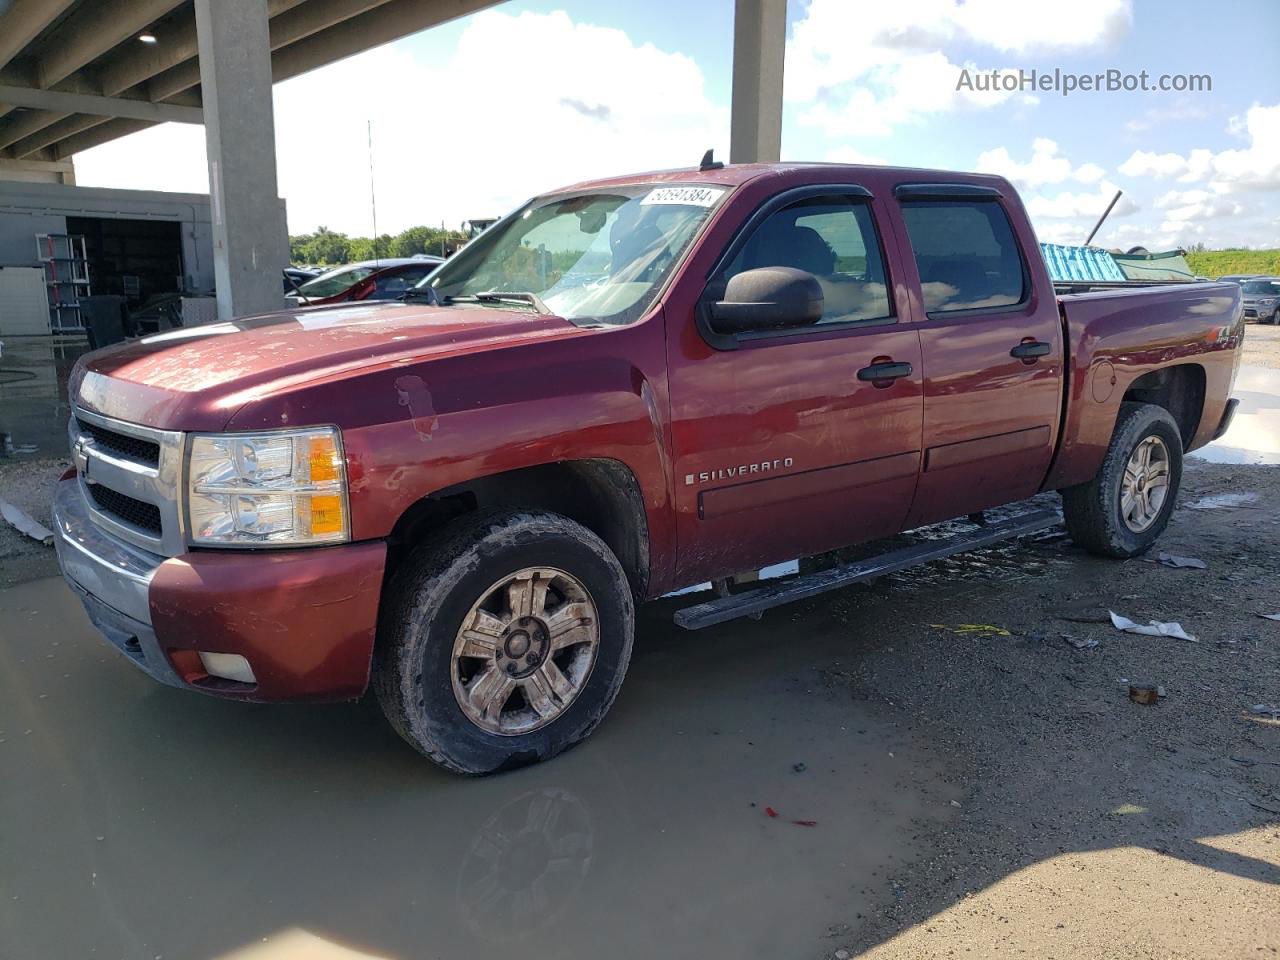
622, 388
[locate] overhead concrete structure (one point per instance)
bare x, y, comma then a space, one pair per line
78, 73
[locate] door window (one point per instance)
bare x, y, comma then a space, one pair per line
966, 253
833, 238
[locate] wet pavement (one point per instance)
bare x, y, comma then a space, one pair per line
33, 395
154, 822
1254, 436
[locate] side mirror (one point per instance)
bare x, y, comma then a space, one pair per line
768, 298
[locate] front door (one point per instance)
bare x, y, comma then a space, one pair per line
993, 354
780, 449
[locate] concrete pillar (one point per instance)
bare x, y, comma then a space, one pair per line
250, 238
759, 47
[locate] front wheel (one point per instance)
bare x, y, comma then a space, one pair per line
504, 642
1275, 318
1122, 510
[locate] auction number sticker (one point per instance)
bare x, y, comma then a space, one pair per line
685, 196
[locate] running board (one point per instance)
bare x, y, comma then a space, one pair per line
810, 585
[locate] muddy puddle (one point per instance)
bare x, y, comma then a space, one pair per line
1254, 436
33, 395
142, 821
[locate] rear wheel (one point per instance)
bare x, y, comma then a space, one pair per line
504, 642
1122, 510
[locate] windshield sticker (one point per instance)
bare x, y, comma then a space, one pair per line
685, 196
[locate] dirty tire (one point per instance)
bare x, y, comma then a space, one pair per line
433, 591
1092, 510
1275, 318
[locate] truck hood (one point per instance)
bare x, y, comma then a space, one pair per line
197, 378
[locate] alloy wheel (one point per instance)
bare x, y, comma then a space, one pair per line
525, 650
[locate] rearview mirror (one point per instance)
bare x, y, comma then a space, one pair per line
768, 298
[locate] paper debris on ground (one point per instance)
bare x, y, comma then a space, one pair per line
1080, 643
1177, 562
1153, 628
23, 523
1270, 616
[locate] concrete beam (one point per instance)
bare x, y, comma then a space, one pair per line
250, 239
102, 133
759, 48
29, 147
178, 44
95, 29
56, 101
288, 27
38, 171
390, 21
23, 21
21, 125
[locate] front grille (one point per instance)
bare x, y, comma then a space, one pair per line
144, 516
121, 444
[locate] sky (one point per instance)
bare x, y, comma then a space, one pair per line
471, 118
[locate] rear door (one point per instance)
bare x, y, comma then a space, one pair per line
780, 449
992, 349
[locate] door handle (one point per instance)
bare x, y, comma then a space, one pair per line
1030, 349
884, 372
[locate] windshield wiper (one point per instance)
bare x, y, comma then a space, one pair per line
518, 296
426, 293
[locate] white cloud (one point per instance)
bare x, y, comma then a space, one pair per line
1256, 167
1047, 165
1068, 204
862, 69
478, 142
852, 155
1184, 205
1188, 169
1089, 173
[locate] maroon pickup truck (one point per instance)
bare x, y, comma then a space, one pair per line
623, 388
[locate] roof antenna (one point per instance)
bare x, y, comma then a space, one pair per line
709, 162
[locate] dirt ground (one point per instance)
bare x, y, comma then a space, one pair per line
1091, 826
982, 786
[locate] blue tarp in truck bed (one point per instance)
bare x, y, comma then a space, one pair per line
1080, 263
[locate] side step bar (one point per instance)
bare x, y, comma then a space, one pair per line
810, 585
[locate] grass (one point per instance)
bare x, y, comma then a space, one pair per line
1216, 263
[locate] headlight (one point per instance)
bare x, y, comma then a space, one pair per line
268, 489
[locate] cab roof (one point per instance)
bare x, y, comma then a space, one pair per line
736, 174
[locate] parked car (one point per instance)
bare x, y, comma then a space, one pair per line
1238, 277
369, 280
295, 277
1262, 299
625, 387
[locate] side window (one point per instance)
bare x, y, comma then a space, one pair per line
967, 254
834, 238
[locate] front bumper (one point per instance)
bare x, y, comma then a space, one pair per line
305, 619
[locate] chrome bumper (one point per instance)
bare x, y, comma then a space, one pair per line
112, 579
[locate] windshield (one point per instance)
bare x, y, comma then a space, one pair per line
600, 256
334, 282
1264, 288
